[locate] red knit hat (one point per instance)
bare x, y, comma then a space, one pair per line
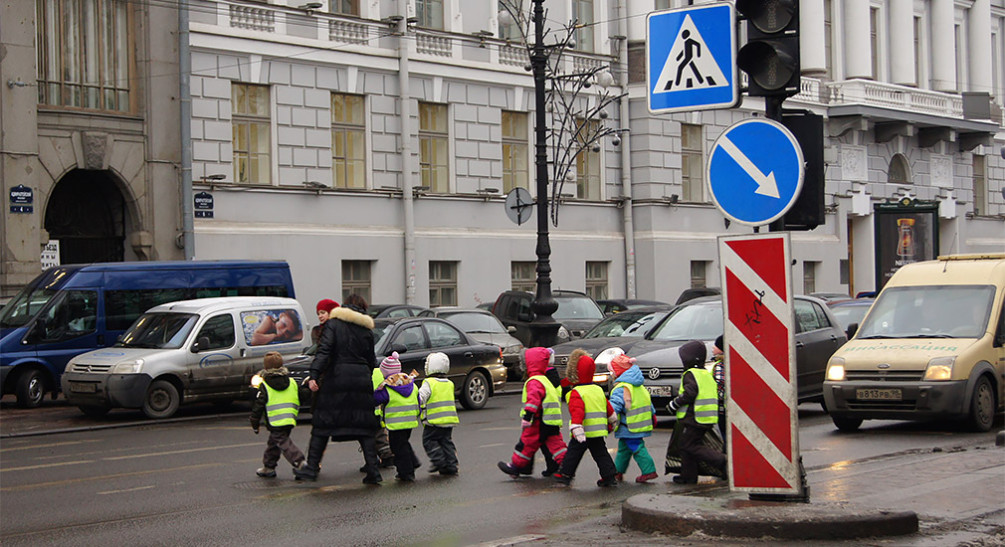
327, 305
621, 363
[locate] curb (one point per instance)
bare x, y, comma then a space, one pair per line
682, 515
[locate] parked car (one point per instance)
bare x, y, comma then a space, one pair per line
577, 313
188, 351
850, 312
621, 330
485, 327
696, 292
476, 369
829, 297
619, 305
818, 335
394, 310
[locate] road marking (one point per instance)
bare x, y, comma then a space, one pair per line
514, 540
106, 477
126, 490
34, 446
171, 452
44, 466
493, 445
766, 185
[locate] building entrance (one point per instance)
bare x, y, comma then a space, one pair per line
86, 213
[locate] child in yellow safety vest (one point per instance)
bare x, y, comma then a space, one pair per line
636, 418
591, 418
400, 399
278, 400
439, 415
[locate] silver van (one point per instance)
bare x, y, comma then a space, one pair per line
187, 351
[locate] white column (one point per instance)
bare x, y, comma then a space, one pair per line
637, 10
812, 50
857, 43
902, 59
943, 44
979, 46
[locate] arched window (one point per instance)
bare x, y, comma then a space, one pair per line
900, 170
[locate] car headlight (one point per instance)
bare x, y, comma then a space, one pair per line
600, 378
515, 348
256, 381
563, 333
127, 367
940, 368
835, 369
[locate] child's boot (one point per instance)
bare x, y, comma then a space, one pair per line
266, 472
646, 478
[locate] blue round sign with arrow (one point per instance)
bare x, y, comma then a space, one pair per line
755, 171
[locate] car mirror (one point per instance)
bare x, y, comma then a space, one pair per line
400, 348
851, 330
511, 329
202, 342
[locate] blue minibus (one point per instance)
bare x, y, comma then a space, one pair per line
68, 310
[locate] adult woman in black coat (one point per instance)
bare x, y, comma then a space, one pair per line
341, 377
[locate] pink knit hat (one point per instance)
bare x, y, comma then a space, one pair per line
621, 363
390, 365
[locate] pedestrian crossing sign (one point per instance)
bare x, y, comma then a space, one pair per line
691, 58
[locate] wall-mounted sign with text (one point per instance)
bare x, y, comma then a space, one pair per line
22, 199
203, 205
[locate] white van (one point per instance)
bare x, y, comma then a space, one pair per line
932, 346
187, 351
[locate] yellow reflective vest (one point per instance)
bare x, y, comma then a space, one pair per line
440, 409
377, 378
595, 408
639, 417
401, 412
706, 403
282, 407
551, 405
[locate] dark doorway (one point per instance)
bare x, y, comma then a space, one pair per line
86, 213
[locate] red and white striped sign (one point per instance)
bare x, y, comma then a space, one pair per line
761, 411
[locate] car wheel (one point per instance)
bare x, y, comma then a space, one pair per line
30, 389
846, 424
94, 411
162, 400
982, 406
475, 392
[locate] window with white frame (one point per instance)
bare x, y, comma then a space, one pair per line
429, 13
523, 276
442, 283
699, 274
356, 278
583, 12
509, 29
348, 141
515, 147
344, 7
588, 164
251, 124
810, 276
961, 57
596, 280
84, 52
980, 185
828, 37
874, 26
433, 137
692, 177
918, 53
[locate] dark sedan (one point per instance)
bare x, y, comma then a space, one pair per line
850, 312
380, 311
818, 336
476, 369
485, 327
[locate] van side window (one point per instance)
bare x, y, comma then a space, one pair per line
124, 307
73, 315
219, 330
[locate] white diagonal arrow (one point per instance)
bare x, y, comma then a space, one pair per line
766, 185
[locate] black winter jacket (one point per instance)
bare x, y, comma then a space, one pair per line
343, 365
278, 379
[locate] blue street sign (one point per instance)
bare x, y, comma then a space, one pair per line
755, 171
691, 58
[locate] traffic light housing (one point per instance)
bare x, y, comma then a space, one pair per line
808, 211
771, 55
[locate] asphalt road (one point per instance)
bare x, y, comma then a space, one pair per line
192, 482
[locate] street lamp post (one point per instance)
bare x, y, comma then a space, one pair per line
544, 328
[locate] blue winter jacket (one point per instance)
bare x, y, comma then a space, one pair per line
634, 377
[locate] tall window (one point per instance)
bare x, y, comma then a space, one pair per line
961, 57
356, 278
429, 13
588, 166
348, 135
523, 276
918, 53
516, 171
251, 124
583, 10
699, 274
692, 178
84, 54
442, 284
980, 185
596, 280
508, 27
874, 41
810, 276
900, 171
433, 147
828, 36
345, 7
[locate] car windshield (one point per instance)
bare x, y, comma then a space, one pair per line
476, 323
25, 305
846, 315
577, 307
159, 330
626, 323
697, 322
953, 311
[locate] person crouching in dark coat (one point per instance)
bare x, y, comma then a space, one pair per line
697, 408
278, 401
342, 377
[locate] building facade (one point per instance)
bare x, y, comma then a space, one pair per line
371, 144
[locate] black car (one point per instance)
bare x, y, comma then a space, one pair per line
476, 369
618, 305
576, 313
818, 336
379, 311
485, 327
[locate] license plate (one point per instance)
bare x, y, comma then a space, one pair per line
661, 391
878, 394
78, 387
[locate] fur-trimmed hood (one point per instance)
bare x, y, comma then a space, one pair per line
580, 367
348, 315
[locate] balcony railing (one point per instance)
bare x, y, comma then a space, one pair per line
250, 18
867, 92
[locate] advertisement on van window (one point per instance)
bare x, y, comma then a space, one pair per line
276, 326
906, 232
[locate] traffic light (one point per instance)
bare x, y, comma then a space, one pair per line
771, 55
808, 211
